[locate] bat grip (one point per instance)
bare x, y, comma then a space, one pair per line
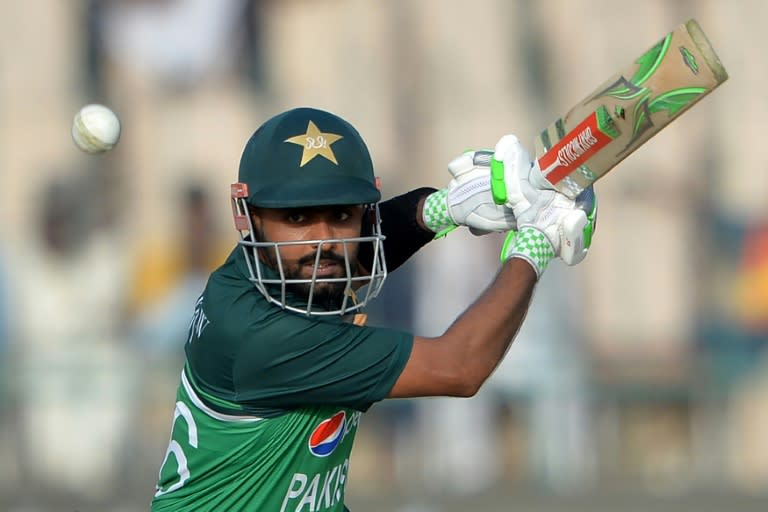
537, 179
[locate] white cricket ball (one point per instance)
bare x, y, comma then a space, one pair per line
95, 129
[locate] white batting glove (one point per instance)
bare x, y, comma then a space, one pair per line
513, 181
467, 201
559, 227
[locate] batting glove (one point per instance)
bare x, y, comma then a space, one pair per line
560, 228
467, 201
514, 183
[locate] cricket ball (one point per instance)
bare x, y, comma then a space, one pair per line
95, 129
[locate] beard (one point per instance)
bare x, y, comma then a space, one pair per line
329, 296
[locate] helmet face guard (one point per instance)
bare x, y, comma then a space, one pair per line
277, 287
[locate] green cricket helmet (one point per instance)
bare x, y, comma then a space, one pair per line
306, 157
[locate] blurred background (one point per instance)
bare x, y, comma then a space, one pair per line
640, 380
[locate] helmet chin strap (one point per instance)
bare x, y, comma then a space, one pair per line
359, 318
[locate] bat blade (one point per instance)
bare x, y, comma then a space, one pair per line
628, 109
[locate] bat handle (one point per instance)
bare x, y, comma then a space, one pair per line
537, 179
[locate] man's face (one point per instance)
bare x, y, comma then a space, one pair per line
298, 261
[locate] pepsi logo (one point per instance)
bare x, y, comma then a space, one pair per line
327, 435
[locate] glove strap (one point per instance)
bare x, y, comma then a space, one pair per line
435, 213
531, 245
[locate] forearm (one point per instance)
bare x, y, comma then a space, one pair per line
540, 225
458, 362
481, 336
403, 227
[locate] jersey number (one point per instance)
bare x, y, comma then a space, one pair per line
175, 448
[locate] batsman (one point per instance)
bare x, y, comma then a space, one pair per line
280, 364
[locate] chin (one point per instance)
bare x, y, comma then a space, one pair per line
328, 295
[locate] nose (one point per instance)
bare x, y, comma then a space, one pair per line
323, 230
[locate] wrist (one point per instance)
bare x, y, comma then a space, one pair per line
531, 245
434, 215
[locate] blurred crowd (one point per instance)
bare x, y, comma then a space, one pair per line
645, 368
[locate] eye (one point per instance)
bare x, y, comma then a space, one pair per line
296, 217
343, 215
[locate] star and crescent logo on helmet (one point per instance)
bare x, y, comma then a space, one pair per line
315, 143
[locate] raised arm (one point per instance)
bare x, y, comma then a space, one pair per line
459, 361
549, 225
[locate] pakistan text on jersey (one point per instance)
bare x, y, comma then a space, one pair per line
318, 492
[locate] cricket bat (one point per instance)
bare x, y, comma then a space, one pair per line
626, 110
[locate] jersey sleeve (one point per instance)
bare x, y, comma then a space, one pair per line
292, 361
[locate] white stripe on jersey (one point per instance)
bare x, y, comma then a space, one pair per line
207, 410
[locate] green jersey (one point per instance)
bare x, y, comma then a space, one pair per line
269, 402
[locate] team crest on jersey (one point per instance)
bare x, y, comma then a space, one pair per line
328, 435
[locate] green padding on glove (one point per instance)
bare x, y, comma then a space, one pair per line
589, 229
498, 187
